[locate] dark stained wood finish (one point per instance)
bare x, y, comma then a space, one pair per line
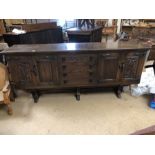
52, 35
108, 61
84, 34
38, 26
75, 65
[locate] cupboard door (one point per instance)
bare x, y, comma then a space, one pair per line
22, 71
78, 69
108, 68
48, 71
132, 66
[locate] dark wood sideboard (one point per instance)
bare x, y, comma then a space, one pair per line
43, 36
38, 67
85, 34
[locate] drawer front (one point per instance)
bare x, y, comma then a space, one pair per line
78, 69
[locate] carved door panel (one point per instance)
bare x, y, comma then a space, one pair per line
78, 69
22, 71
132, 66
108, 68
48, 70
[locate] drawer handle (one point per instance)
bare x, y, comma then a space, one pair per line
63, 59
121, 66
90, 73
90, 80
64, 74
64, 67
90, 66
34, 70
65, 81
90, 58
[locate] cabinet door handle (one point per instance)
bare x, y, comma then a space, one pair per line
65, 81
34, 70
63, 59
63, 67
90, 80
121, 66
64, 74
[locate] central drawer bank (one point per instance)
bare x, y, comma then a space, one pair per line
38, 67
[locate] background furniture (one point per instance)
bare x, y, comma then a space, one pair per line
85, 34
75, 65
33, 27
89, 23
2, 28
5, 88
127, 29
45, 36
2, 47
143, 32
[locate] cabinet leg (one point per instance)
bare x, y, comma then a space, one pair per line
119, 90
14, 92
154, 65
35, 96
77, 95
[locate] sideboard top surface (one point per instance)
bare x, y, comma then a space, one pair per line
77, 47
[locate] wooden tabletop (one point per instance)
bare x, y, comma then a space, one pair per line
66, 47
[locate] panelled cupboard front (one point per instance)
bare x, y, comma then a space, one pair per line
76, 68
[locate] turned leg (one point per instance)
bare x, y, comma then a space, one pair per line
77, 95
35, 96
119, 90
9, 109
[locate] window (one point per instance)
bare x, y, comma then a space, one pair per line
66, 23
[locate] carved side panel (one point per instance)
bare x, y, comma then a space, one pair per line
133, 66
22, 71
130, 67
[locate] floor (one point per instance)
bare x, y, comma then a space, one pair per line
60, 113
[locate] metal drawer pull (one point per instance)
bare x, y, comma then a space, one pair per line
90, 73
121, 66
64, 67
64, 74
90, 66
90, 80
34, 70
63, 59
65, 81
